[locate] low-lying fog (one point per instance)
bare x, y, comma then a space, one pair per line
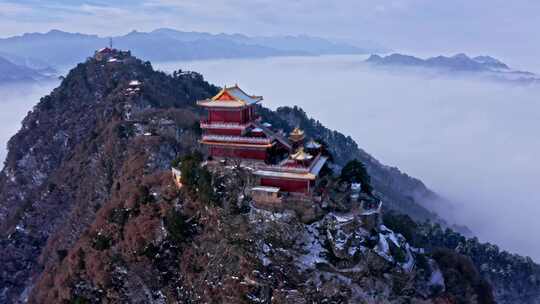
474, 142
15, 102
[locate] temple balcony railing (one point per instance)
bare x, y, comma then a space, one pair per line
236, 139
278, 168
205, 124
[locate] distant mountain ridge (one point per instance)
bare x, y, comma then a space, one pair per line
489, 66
12, 72
31, 63
459, 62
60, 48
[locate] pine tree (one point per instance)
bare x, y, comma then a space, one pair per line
355, 172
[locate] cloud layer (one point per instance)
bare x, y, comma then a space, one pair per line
474, 142
16, 101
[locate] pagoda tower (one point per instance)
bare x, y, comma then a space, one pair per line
296, 137
231, 129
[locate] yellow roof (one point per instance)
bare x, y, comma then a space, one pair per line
301, 155
231, 97
292, 173
297, 132
285, 174
296, 135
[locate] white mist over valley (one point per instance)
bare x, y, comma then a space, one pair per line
15, 102
474, 142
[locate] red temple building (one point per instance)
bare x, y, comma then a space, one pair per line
232, 130
298, 173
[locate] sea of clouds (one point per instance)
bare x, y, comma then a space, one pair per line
15, 102
474, 142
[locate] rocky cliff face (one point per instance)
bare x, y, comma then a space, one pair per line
89, 213
155, 244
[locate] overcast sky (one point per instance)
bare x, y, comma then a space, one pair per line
507, 29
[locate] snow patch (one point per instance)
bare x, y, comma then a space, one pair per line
313, 248
436, 278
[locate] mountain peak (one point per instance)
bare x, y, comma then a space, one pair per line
394, 59
374, 57
493, 62
486, 66
56, 32
93, 125
461, 56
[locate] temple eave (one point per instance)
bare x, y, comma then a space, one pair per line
255, 146
222, 104
286, 175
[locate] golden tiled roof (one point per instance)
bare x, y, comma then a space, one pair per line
297, 131
301, 155
230, 97
296, 135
